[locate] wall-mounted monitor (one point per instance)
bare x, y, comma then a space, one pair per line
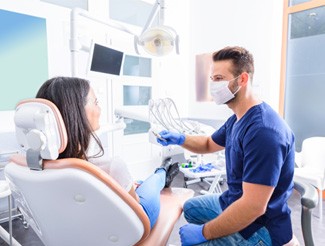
105, 60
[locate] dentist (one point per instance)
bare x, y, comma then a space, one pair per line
259, 149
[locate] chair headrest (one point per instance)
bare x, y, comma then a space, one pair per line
40, 131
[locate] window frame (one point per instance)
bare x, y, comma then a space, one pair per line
286, 12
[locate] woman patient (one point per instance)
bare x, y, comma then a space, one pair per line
80, 111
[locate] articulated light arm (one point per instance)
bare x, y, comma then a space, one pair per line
148, 24
158, 40
152, 15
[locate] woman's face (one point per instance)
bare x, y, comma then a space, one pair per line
92, 110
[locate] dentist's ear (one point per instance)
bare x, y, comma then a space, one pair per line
244, 79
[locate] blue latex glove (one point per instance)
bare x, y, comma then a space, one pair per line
191, 234
171, 138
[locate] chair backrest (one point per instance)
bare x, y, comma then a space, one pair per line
313, 152
68, 201
40, 131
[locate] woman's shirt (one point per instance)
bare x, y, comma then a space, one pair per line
117, 169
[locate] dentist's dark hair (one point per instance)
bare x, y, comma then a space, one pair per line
69, 94
242, 60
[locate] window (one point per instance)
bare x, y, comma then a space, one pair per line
303, 77
137, 66
295, 2
23, 57
307, 23
137, 89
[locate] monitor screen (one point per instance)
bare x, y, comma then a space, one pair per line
105, 60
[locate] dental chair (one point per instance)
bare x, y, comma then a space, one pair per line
71, 201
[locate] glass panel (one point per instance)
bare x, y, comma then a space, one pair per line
137, 66
135, 126
305, 81
295, 2
134, 12
23, 57
136, 95
307, 23
83, 4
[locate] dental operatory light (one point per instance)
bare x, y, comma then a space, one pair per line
157, 40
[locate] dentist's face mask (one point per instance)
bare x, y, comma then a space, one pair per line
220, 92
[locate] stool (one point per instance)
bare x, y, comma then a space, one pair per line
6, 192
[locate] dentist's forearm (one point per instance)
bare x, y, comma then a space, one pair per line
200, 144
251, 205
235, 218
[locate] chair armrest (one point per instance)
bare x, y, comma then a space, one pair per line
308, 193
309, 200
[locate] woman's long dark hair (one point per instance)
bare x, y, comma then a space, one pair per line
69, 94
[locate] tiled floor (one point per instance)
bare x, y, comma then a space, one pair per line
28, 238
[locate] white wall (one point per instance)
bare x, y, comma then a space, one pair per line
203, 25
174, 73
253, 24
